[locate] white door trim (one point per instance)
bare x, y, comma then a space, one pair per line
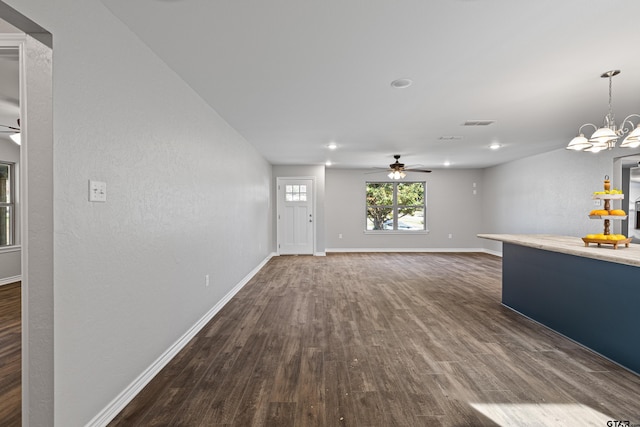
35, 185
279, 181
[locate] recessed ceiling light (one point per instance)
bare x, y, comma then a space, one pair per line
328, 163
447, 163
401, 83
332, 146
495, 146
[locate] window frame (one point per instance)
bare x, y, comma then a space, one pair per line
293, 190
11, 205
395, 207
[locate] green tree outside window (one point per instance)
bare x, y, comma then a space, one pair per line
396, 206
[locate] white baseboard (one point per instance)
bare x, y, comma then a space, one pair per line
314, 254
8, 280
406, 250
492, 252
105, 416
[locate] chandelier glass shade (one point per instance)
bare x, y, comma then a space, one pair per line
605, 137
633, 139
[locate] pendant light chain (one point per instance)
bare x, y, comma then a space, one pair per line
611, 122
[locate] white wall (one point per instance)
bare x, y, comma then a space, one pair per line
129, 273
9, 265
318, 172
548, 193
452, 208
9, 150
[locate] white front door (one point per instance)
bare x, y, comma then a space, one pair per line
295, 216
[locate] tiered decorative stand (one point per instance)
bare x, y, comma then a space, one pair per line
607, 218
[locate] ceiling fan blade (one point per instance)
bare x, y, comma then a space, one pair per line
418, 170
401, 167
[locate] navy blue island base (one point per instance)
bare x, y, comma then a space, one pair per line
588, 294
595, 303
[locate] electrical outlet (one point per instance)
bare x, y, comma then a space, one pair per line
451, 236
597, 202
340, 236
206, 280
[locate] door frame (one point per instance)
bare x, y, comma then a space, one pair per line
35, 195
279, 181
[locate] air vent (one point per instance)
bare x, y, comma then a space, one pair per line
478, 122
450, 138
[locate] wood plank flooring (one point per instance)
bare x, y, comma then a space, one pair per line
381, 340
10, 355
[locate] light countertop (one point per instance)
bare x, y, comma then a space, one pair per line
572, 246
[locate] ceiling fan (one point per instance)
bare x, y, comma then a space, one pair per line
14, 132
397, 170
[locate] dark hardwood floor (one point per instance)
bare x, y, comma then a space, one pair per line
10, 355
381, 340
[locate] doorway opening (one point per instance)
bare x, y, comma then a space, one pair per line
629, 167
10, 250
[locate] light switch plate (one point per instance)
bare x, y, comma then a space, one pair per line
97, 191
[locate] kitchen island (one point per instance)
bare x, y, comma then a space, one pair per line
589, 294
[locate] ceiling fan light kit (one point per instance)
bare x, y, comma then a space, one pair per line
397, 170
396, 175
605, 138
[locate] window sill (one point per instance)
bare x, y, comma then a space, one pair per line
8, 249
397, 232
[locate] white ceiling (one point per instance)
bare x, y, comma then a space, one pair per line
293, 75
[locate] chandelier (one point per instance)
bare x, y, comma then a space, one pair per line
607, 136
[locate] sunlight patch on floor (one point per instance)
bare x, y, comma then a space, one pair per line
541, 415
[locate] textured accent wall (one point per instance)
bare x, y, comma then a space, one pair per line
130, 273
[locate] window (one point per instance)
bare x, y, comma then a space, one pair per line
295, 193
396, 206
7, 208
